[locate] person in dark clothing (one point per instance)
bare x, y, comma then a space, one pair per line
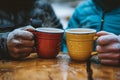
16, 17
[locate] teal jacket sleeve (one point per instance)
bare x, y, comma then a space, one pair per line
74, 20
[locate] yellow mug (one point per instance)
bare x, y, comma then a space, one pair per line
80, 43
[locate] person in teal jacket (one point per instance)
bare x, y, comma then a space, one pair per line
97, 14
101, 15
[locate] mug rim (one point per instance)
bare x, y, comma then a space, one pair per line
90, 30
45, 29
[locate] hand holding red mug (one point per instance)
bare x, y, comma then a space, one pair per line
20, 42
108, 48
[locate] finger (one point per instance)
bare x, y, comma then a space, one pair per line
22, 43
115, 47
14, 53
19, 34
110, 62
25, 50
101, 33
20, 56
30, 30
107, 39
29, 27
21, 52
111, 56
24, 55
26, 43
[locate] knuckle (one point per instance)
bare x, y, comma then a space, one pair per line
99, 49
33, 42
16, 51
118, 56
117, 62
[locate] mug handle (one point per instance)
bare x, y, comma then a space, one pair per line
94, 52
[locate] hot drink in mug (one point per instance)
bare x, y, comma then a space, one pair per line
80, 43
48, 41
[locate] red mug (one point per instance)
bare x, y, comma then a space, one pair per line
48, 41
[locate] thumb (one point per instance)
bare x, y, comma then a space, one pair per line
30, 28
27, 28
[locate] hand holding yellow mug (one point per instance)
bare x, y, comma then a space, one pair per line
80, 43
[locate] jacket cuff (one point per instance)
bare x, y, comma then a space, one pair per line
3, 46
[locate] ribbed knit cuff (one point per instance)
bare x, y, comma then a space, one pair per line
4, 54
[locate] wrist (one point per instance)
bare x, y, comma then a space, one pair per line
3, 47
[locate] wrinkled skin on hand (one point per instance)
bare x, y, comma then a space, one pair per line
108, 48
20, 42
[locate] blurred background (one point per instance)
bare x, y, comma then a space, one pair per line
64, 9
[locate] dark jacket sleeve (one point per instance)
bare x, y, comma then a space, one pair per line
3, 46
6, 25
